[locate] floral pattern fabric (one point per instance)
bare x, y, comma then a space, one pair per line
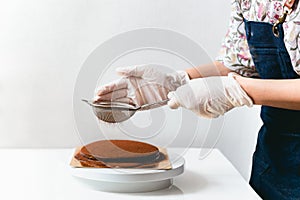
234, 52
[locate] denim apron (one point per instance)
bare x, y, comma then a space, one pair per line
276, 160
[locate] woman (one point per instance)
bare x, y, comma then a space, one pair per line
262, 43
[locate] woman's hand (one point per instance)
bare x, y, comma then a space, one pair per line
142, 84
210, 97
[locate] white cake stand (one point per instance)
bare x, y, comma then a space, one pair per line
130, 180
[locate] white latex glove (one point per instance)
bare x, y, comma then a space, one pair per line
142, 84
210, 97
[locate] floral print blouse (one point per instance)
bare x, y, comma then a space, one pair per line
234, 52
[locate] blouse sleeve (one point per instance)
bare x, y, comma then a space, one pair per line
234, 52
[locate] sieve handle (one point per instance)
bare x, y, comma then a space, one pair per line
147, 106
87, 101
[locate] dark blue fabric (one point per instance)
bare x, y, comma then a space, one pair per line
276, 160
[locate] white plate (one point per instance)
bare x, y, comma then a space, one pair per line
130, 180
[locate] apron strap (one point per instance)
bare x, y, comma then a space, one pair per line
289, 6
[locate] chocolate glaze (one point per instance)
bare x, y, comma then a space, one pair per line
96, 154
118, 149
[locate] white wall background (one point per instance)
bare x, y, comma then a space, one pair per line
44, 43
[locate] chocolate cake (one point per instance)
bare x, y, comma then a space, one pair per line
119, 153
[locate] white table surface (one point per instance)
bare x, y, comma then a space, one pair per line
39, 174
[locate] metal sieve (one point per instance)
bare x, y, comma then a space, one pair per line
114, 112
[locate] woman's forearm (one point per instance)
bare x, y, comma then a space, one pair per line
275, 93
212, 69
